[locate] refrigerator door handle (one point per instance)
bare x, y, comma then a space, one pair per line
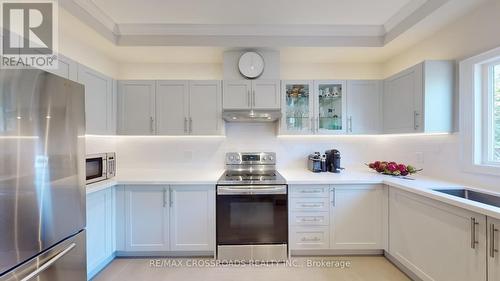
49, 263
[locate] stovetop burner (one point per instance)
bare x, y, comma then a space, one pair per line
251, 168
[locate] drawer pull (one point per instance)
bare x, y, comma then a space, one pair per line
315, 239
310, 220
311, 205
473, 239
311, 191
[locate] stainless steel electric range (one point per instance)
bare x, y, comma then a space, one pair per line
252, 209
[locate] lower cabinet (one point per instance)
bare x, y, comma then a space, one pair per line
167, 219
340, 217
359, 217
146, 218
493, 249
192, 218
436, 241
100, 230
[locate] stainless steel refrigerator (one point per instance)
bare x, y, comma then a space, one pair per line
42, 181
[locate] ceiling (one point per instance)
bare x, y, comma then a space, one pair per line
335, 12
198, 31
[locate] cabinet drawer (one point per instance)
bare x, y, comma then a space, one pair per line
310, 218
310, 237
310, 191
310, 204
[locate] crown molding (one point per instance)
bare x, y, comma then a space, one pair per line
258, 35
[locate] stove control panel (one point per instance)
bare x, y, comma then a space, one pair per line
250, 158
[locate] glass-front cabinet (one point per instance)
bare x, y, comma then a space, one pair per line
313, 107
298, 109
330, 106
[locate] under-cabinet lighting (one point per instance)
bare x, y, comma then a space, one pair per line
365, 136
153, 136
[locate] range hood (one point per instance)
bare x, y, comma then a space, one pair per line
251, 115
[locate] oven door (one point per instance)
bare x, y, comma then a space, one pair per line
252, 215
95, 167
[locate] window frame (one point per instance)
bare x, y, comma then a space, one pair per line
476, 131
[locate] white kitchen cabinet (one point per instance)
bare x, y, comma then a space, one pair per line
251, 94
340, 217
330, 107
436, 241
297, 99
66, 68
146, 218
364, 107
172, 107
100, 101
205, 111
100, 230
237, 94
358, 217
192, 218
313, 107
493, 249
136, 107
420, 99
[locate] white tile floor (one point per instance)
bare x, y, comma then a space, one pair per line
360, 268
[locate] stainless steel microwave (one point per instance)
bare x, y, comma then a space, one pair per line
100, 167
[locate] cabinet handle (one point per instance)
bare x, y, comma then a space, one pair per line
350, 124
473, 240
493, 232
310, 220
185, 125
310, 191
333, 197
164, 199
190, 125
253, 97
315, 239
415, 120
310, 205
316, 125
312, 124
249, 101
151, 124
170, 200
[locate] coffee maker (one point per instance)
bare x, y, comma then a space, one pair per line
333, 161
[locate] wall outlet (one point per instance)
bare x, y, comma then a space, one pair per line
420, 157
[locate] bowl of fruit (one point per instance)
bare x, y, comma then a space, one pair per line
393, 168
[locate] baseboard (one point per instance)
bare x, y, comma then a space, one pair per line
101, 266
167, 254
401, 267
301, 253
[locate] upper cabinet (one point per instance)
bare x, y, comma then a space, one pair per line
100, 101
313, 107
66, 68
364, 107
420, 99
170, 107
330, 106
251, 94
136, 107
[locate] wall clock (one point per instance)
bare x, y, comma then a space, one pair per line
251, 65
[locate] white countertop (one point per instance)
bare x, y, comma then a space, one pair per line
421, 185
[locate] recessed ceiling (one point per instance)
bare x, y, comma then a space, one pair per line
329, 12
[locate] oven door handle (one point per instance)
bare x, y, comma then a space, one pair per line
251, 190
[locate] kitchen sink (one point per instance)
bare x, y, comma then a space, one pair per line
485, 198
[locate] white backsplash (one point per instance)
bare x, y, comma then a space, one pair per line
437, 154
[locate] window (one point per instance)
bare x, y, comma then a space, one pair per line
495, 153
491, 114
480, 113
